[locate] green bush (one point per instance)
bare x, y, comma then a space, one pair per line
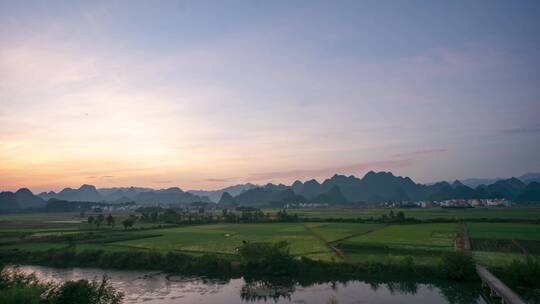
458, 265
525, 273
269, 258
21, 295
85, 292
20, 288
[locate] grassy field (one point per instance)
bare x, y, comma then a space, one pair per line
531, 214
225, 238
425, 242
504, 231
332, 232
492, 243
420, 236
496, 244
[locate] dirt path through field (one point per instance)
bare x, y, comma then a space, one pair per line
334, 249
354, 235
462, 242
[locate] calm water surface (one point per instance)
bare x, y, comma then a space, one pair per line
159, 288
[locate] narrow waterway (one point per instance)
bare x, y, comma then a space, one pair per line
159, 288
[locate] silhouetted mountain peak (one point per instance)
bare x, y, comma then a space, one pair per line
24, 191
174, 190
226, 199
457, 183
86, 187
312, 182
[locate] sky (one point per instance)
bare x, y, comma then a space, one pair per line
204, 94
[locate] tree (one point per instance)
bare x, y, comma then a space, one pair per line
400, 217
110, 220
99, 220
129, 222
90, 219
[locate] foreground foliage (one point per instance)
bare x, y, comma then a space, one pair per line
523, 273
18, 288
253, 258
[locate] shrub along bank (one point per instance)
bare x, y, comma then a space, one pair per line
17, 288
254, 258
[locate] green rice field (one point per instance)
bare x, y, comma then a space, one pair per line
515, 213
492, 243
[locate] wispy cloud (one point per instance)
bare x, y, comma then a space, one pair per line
420, 153
162, 181
222, 180
521, 130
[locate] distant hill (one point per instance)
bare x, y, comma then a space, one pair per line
86, 193
21, 199
531, 193
507, 188
215, 195
226, 200
530, 177
167, 196
89, 193
373, 188
121, 193
269, 194
475, 182
377, 187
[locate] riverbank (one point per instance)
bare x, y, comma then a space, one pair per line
154, 287
455, 266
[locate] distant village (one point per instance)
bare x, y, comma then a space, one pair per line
452, 203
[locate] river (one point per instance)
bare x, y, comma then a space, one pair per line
158, 288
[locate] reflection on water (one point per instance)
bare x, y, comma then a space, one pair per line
160, 288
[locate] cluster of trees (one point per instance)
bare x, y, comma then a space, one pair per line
237, 215
111, 220
17, 288
98, 220
245, 215
177, 216
130, 221
268, 258
398, 217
